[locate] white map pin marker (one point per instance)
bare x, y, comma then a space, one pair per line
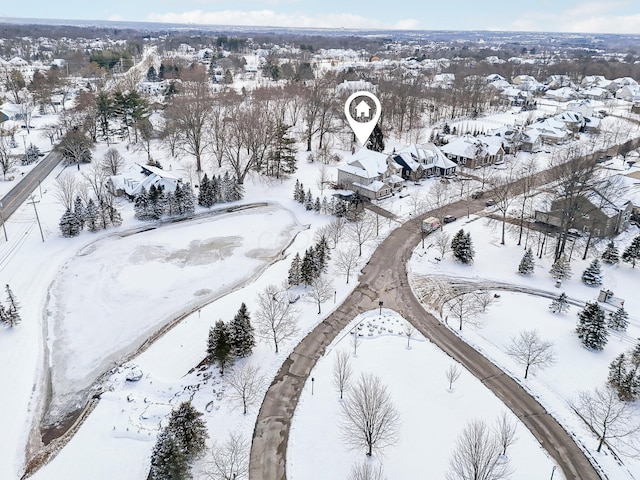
366, 119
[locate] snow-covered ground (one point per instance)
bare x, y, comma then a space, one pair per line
128, 415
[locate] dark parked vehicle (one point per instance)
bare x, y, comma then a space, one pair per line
449, 219
490, 203
477, 194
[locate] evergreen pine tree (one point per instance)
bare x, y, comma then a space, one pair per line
560, 304
219, 346
375, 141
619, 320
592, 275
308, 267
308, 201
526, 264
205, 197
156, 202
561, 269
281, 158
611, 255
31, 155
324, 208
237, 190
12, 311
340, 208
241, 333
168, 459
462, 247
216, 193
170, 203
631, 254
618, 376
296, 191
114, 215
294, 270
591, 327
80, 212
185, 422
69, 226
91, 216
316, 205
226, 189
141, 205
188, 199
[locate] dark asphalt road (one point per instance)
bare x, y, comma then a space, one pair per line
26, 185
385, 278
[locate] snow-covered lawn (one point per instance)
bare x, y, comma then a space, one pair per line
431, 416
576, 368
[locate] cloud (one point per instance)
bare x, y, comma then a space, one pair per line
274, 19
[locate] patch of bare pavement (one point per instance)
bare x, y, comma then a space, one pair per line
385, 279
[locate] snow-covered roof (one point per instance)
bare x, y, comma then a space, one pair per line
133, 179
366, 163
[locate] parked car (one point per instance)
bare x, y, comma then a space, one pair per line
574, 232
449, 219
490, 203
477, 194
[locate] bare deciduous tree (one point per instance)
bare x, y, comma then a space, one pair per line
341, 371
609, 418
245, 384
409, 331
361, 230
453, 374
347, 260
484, 298
464, 307
530, 350
65, 190
504, 189
320, 290
7, 161
369, 418
112, 162
324, 177
477, 455
276, 319
335, 230
505, 430
442, 242
366, 471
230, 460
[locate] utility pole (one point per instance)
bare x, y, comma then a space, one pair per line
33, 202
4, 228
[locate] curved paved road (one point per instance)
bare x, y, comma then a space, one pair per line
385, 278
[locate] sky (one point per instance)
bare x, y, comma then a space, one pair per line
604, 16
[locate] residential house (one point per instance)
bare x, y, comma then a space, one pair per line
550, 131
419, 161
562, 94
473, 152
372, 174
594, 214
630, 93
131, 181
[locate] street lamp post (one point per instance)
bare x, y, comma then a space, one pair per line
312, 380
380, 303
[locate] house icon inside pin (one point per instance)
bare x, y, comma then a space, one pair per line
363, 110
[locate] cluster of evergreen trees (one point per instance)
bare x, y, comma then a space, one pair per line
10, 315
335, 206
462, 247
219, 189
561, 269
232, 340
156, 202
178, 444
624, 374
31, 155
306, 269
592, 328
94, 216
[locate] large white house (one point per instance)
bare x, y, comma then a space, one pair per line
371, 174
